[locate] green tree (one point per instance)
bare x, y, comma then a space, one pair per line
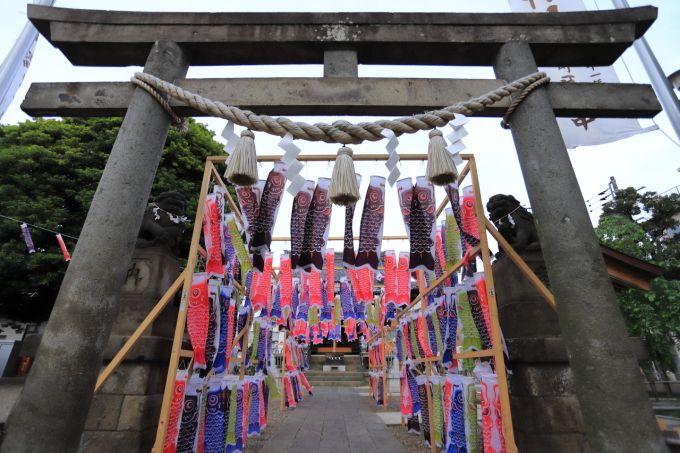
653, 315
49, 170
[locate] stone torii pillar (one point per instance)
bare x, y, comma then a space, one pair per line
616, 410
50, 413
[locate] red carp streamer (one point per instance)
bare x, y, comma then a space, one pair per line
212, 235
198, 315
286, 282
64, 250
403, 280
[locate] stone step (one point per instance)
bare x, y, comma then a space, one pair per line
318, 368
346, 357
334, 373
338, 384
335, 378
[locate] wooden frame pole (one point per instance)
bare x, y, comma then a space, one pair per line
182, 315
283, 372
528, 273
428, 393
120, 356
384, 371
493, 312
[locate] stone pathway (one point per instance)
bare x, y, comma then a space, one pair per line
334, 420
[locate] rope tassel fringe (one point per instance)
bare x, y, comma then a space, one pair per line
242, 168
441, 169
344, 189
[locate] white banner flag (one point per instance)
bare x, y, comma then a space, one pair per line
17, 61
582, 131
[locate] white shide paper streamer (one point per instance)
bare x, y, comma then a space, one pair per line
393, 160
232, 139
292, 174
455, 136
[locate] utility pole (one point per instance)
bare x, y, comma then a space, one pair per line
613, 187
660, 82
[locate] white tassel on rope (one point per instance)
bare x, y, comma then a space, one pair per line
441, 169
344, 190
242, 168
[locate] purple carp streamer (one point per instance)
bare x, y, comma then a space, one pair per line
191, 412
268, 209
317, 224
405, 193
422, 220
298, 217
249, 200
348, 256
372, 220
467, 237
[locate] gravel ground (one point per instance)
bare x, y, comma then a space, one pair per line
275, 419
413, 443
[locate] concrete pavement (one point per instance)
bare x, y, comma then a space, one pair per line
334, 420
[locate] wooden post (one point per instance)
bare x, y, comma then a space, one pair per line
182, 316
283, 372
384, 370
244, 349
428, 392
519, 262
493, 312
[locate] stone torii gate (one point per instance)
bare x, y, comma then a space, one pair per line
52, 409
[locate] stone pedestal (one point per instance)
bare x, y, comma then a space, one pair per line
124, 414
545, 412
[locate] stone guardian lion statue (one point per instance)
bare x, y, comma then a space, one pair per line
515, 223
163, 222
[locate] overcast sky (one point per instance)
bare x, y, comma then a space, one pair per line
649, 160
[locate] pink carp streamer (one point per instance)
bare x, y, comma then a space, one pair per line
170, 442
470, 222
492, 422
330, 276
197, 318
315, 299
468, 238
286, 282
391, 288
263, 288
480, 283
406, 406
403, 280
364, 293
212, 235
64, 250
